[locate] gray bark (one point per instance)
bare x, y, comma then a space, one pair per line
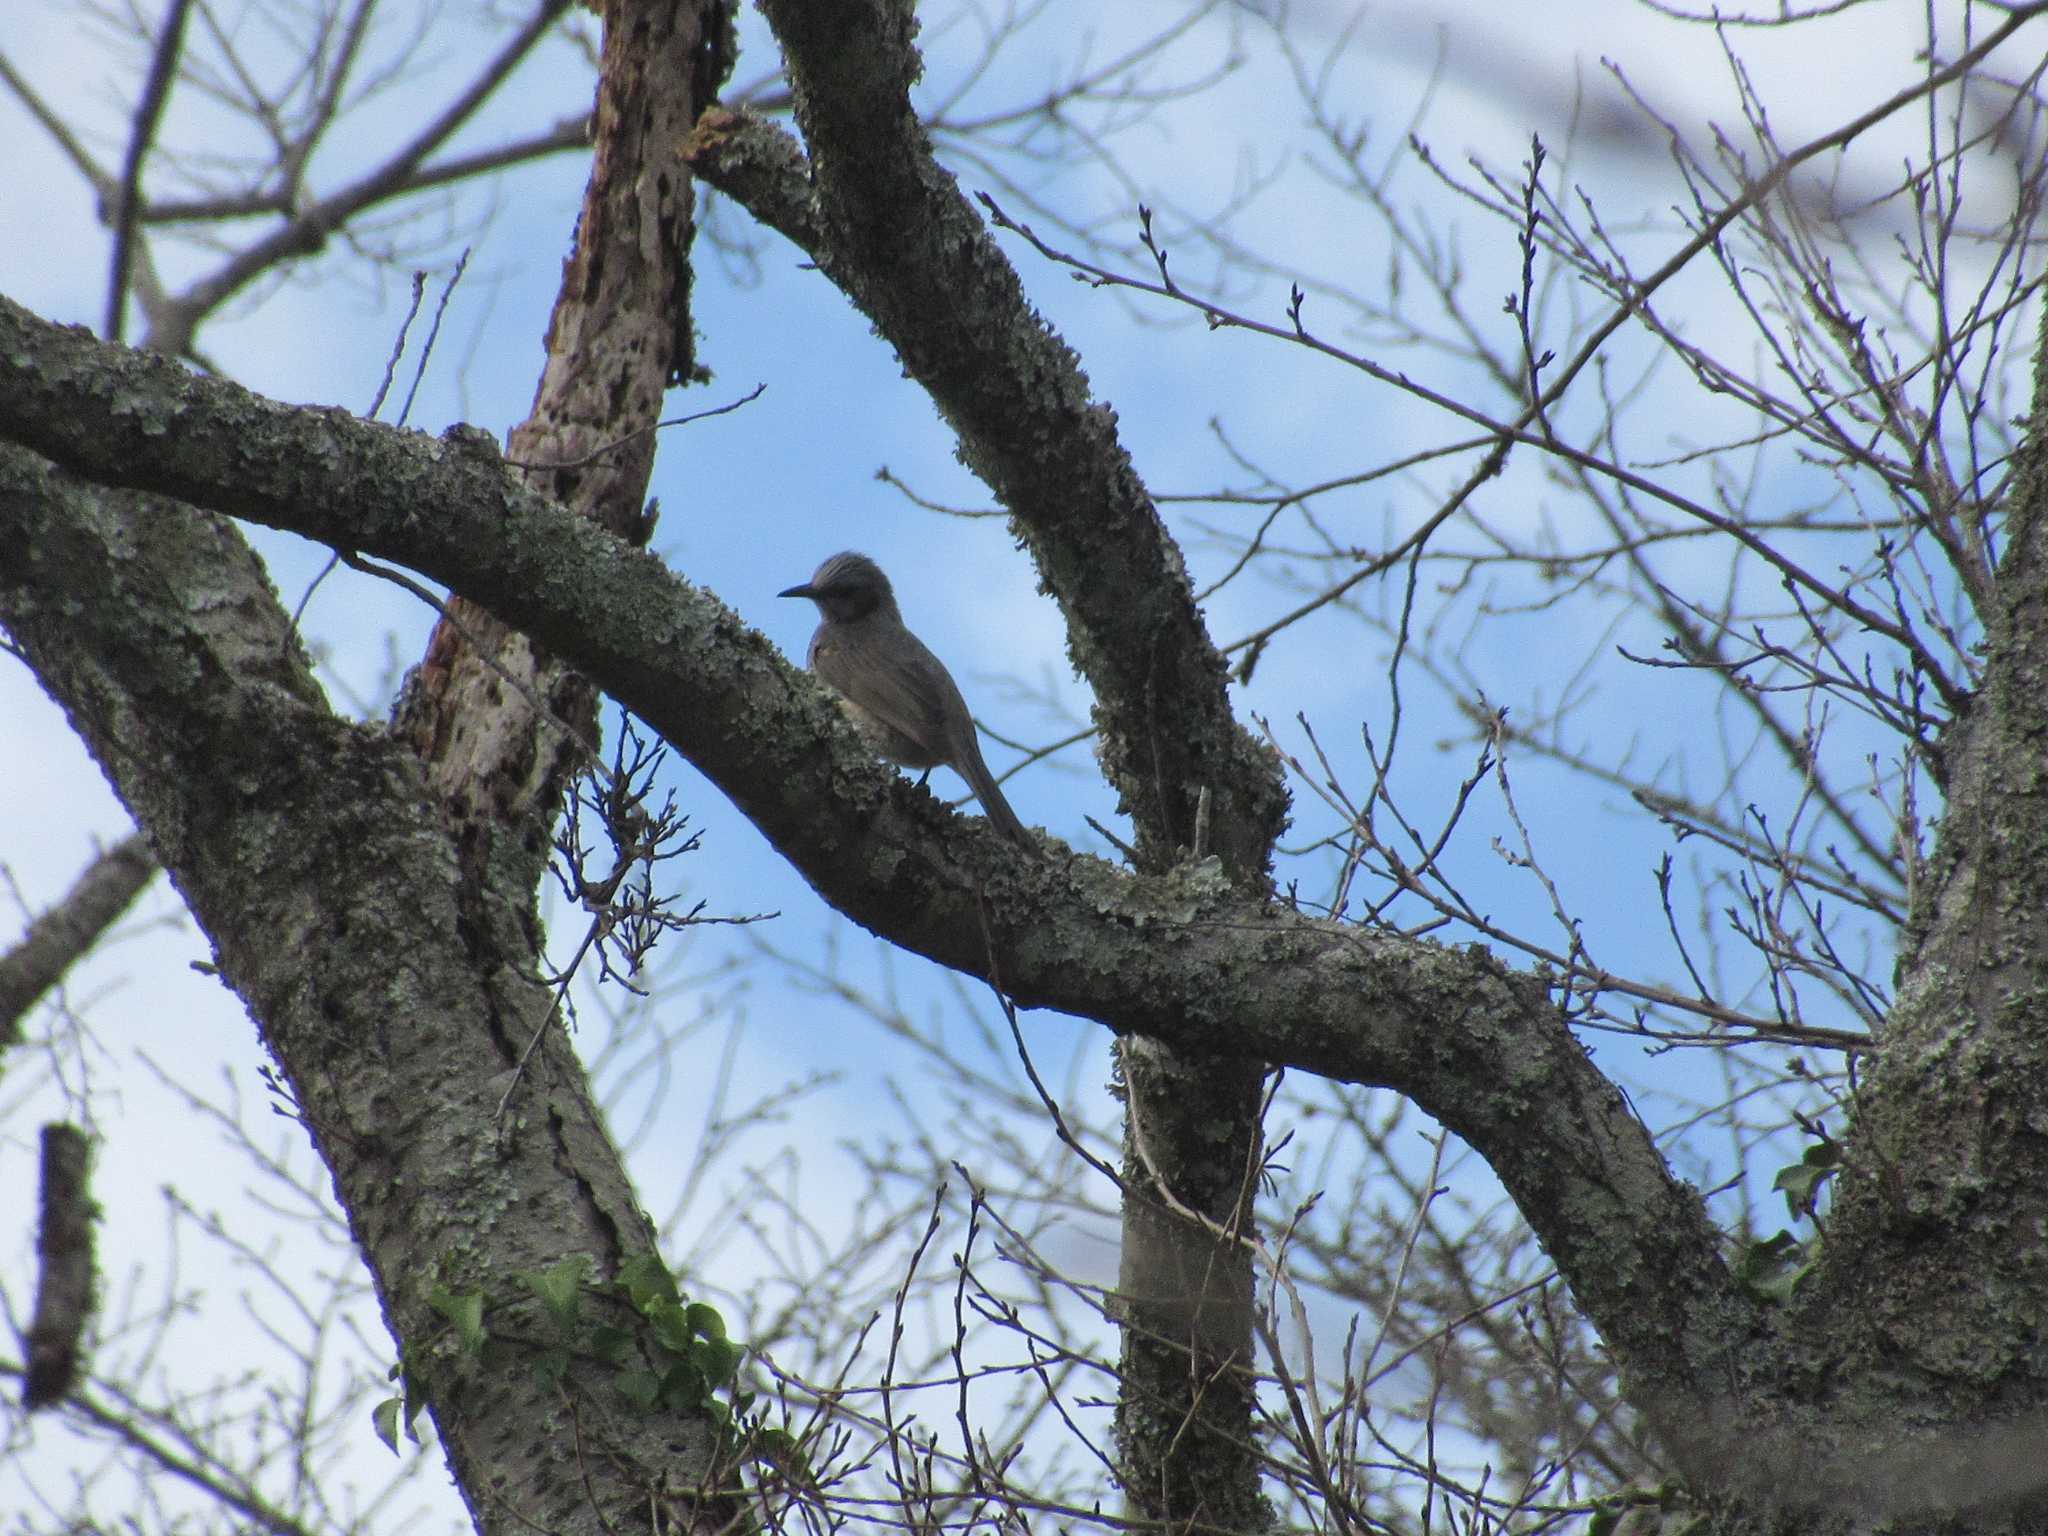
60, 936
1905, 1386
1905, 1381
1179, 957
403, 1009
391, 986
887, 224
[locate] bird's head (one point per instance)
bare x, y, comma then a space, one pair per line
848, 586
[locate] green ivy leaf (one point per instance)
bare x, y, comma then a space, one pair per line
559, 1288
717, 1359
683, 1387
385, 1419
648, 1281
671, 1329
1799, 1183
549, 1367
705, 1321
1773, 1267
641, 1388
609, 1343
465, 1311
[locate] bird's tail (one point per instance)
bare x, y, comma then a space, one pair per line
993, 805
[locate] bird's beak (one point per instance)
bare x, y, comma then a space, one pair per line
806, 590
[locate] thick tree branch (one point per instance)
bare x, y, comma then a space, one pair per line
890, 227
1178, 957
892, 230
619, 334
761, 168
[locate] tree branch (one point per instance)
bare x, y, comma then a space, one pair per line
307, 230
1179, 957
156, 91
390, 983
60, 936
893, 231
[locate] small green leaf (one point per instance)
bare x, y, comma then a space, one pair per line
641, 1388
672, 1329
549, 1367
647, 1280
1800, 1183
705, 1321
1781, 1287
385, 1419
1773, 1267
463, 1309
609, 1343
717, 1359
1764, 1254
559, 1288
682, 1387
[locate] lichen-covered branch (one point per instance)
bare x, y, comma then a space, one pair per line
887, 224
385, 983
1179, 957
893, 231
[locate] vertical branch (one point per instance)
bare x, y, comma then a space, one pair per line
890, 227
619, 335
156, 90
64, 1292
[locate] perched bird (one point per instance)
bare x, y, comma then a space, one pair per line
896, 692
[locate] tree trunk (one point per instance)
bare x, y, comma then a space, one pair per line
1917, 1352
378, 919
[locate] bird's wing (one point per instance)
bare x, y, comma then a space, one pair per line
901, 683
903, 687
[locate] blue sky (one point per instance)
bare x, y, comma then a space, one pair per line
752, 500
